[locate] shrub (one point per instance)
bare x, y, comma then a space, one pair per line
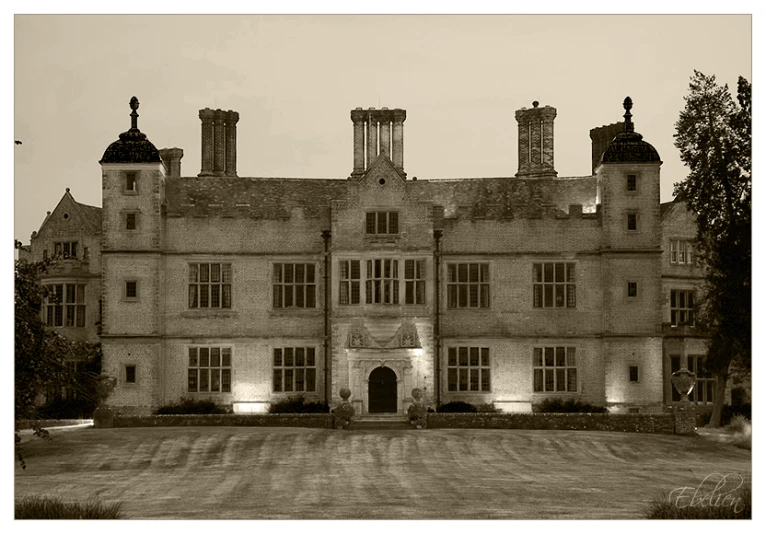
558, 405
668, 507
728, 413
192, 407
456, 407
488, 407
743, 432
34, 507
297, 404
77, 408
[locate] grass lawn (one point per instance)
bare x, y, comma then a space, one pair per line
302, 473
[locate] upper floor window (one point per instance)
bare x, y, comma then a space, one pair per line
209, 369
349, 288
468, 369
555, 369
681, 307
681, 252
209, 285
65, 305
632, 182
294, 285
382, 222
66, 249
414, 281
554, 285
631, 221
131, 182
382, 281
131, 290
468, 285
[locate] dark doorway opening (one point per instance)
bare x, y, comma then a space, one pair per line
382, 386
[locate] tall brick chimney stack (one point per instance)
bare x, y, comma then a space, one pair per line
219, 142
378, 131
536, 141
171, 157
600, 138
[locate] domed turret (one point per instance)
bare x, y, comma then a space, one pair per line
629, 146
133, 146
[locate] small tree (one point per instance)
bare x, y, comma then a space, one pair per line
713, 135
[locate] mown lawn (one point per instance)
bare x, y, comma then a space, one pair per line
300, 473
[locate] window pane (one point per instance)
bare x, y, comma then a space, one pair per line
287, 269
570, 272
474, 380
572, 380
226, 357
310, 361
203, 379
560, 357
300, 296
452, 296
192, 380
287, 293
538, 375
355, 269
288, 382
462, 272
537, 272
193, 272
226, 302
451, 273
80, 294
204, 272
452, 379
485, 357
559, 295
393, 223
288, 353
215, 379
560, 380
204, 357
485, 272
382, 222
203, 296
192, 356
538, 296
420, 295
537, 359
549, 356
571, 296
310, 379
277, 296
474, 356
463, 356
226, 380
452, 356
215, 357
473, 272
299, 382
548, 296
300, 273
571, 359
549, 380
485, 383
299, 357
215, 272
462, 296
559, 272
81, 316
215, 296
277, 380
409, 269
548, 269
370, 224
226, 273
193, 296
463, 379
70, 293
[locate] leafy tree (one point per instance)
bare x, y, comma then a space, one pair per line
713, 134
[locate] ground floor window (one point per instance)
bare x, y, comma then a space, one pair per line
555, 369
209, 369
703, 389
294, 369
468, 369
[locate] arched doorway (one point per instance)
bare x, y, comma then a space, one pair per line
382, 388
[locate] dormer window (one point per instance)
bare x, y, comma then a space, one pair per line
382, 223
131, 182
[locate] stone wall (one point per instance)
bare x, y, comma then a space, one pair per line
651, 423
292, 420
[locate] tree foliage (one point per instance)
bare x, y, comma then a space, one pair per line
713, 134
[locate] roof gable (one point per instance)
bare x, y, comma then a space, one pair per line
70, 213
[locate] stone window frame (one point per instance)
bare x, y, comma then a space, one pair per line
675, 250
66, 248
375, 219
628, 215
482, 367
637, 183
628, 296
569, 284
687, 308
570, 367
125, 296
309, 291
637, 367
348, 283
454, 284
415, 285
200, 368
307, 370
195, 284
126, 374
127, 175
126, 219
75, 309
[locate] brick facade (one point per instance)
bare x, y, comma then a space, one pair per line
506, 228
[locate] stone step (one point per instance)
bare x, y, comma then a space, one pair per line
380, 422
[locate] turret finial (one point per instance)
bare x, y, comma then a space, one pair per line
133, 115
628, 105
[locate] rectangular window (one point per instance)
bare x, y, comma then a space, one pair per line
130, 221
294, 285
294, 369
209, 285
382, 222
468, 285
468, 369
130, 181
130, 374
553, 285
705, 386
65, 305
632, 221
681, 252
632, 290
382, 282
349, 288
554, 369
65, 249
681, 307
632, 182
414, 281
131, 289
209, 370
633, 373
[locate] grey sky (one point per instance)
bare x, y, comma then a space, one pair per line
294, 79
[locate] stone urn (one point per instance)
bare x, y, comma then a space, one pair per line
684, 381
344, 411
417, 411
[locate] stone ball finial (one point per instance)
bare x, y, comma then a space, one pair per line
67, 190
535, 104
417, 394
345, 393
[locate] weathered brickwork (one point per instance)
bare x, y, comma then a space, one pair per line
615, 318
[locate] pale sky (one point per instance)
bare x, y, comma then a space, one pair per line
294, 79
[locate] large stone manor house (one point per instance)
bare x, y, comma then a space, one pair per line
488, 290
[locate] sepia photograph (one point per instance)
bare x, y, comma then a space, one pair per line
382, 266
